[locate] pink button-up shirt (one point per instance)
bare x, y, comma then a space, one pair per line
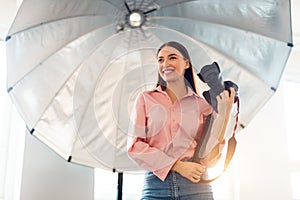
162, 132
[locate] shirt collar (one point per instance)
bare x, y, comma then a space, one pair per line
190, 92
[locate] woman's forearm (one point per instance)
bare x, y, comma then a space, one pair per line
219, 127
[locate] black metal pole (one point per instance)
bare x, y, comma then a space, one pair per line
120, 185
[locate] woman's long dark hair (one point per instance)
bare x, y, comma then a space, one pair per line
188, 75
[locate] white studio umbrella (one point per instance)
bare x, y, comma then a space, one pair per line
75, 67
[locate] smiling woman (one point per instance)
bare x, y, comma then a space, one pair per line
166, 124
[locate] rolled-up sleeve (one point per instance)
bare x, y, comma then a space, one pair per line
139, 150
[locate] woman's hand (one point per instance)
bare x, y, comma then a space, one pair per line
225, 105
225, 102
189, 170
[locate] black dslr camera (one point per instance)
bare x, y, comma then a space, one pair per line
210, 74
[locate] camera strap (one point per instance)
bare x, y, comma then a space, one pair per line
231, 145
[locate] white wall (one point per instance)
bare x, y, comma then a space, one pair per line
262, 154
47, 176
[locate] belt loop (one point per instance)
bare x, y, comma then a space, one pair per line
175, 185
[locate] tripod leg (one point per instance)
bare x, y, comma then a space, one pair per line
120, 185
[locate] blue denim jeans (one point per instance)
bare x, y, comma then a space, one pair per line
175, 187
